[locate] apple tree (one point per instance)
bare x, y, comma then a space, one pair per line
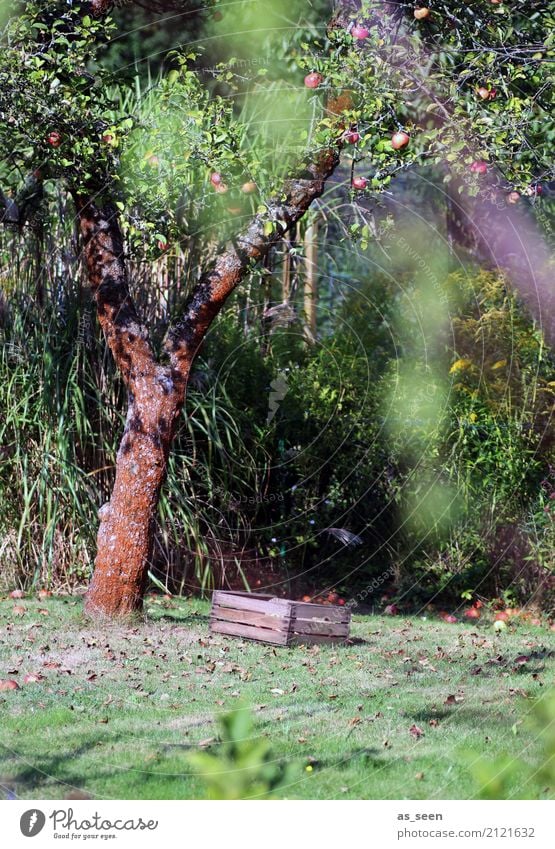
377, 86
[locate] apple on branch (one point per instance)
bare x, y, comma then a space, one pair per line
249, 187
313, 80
399, 140
351, 136
359, 32
54, 139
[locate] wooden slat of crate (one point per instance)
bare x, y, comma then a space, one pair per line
310, 640
276, 622
239, 601
303, 610
318, 629
265, 635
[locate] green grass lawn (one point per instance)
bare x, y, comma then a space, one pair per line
119, 707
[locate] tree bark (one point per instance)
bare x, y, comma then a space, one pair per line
126, 532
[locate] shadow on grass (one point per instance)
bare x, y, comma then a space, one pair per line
25, 776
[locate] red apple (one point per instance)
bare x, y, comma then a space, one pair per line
107, 138
333, 597
501, 616
306, 598
313, 80
31, 678
8, 684
18, 610
513, 197
422, 13
360, 32
486, 93
341, 602
479, 167
448, 617
162, 245
54, 139
399, 140
391, 610
532, 191
472, 613
216, 178
44, 594
360, 183
351, 136
249, 187
17, 594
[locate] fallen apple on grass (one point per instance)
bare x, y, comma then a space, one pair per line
17, 594
8, 684
448, 617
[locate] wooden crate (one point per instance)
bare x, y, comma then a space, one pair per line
277, 620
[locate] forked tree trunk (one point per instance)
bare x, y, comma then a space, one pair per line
157, 392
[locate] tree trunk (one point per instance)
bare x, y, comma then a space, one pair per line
127, 521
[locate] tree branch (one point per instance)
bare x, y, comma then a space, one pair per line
240, 254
